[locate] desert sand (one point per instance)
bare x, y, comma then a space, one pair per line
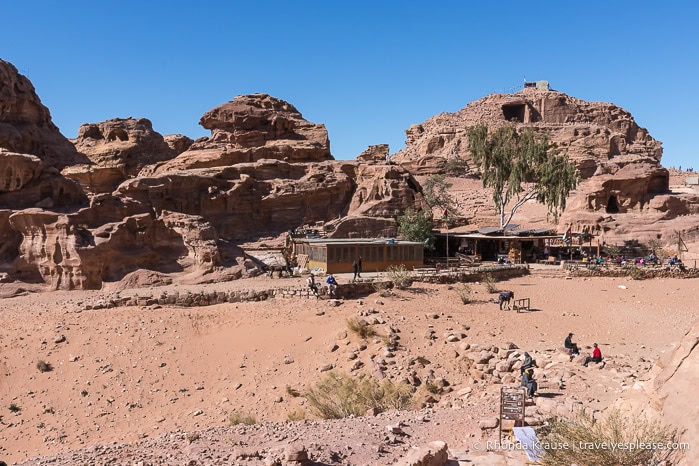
137, 374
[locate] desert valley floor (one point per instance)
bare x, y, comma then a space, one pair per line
152, 375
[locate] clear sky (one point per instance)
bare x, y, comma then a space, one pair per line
367, 69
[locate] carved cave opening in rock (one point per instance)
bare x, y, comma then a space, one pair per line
514, 112
612, 205
659, 184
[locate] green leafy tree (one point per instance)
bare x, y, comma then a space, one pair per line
436, 194
521, 166
417, 225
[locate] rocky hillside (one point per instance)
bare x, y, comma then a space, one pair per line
624, 192
595, 135
128, 199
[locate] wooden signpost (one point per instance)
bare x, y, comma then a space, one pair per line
512, 407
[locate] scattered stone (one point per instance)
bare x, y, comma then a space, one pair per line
434, 454
488, 423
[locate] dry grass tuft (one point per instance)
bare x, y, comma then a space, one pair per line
614, 429
401, 277
338, 396
361, 327
296, 415
464, 292
489, 282
236, 418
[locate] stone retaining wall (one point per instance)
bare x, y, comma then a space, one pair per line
476, 274
634, 272
344, 291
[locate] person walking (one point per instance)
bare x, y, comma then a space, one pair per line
355, 270
312, 285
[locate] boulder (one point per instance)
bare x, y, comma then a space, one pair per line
433, 454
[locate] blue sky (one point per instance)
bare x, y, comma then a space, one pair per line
367, 69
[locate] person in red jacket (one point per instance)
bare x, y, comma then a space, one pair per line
596, 356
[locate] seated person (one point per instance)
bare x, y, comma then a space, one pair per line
596, 356
332, 286
528, 382
505, 297
570, 345
527, 364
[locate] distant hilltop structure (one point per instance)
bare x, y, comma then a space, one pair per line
542, 85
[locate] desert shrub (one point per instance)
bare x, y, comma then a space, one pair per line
489, 282
455, 166
44, 366
338, 396
401, 277
431, 387
296, 415
613, 429
382, 287
636, 273
14, 408
464, 292
236, 418
361, 327
292, 392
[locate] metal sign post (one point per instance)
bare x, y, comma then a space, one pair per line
512, 406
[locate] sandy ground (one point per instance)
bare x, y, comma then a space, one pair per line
133, 374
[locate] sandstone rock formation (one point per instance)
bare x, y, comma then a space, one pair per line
375, 154
119, 149
251, 128
624, 193
664, 393
25, 124
593, 134
133, 204
24, 182
127, 143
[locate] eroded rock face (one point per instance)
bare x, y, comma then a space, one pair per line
25, 124
178, 142
58, 249
125, 143
133, 207
16, 170
251, 128
663, 394
48, 190
593, 134
375, 154
263, 198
